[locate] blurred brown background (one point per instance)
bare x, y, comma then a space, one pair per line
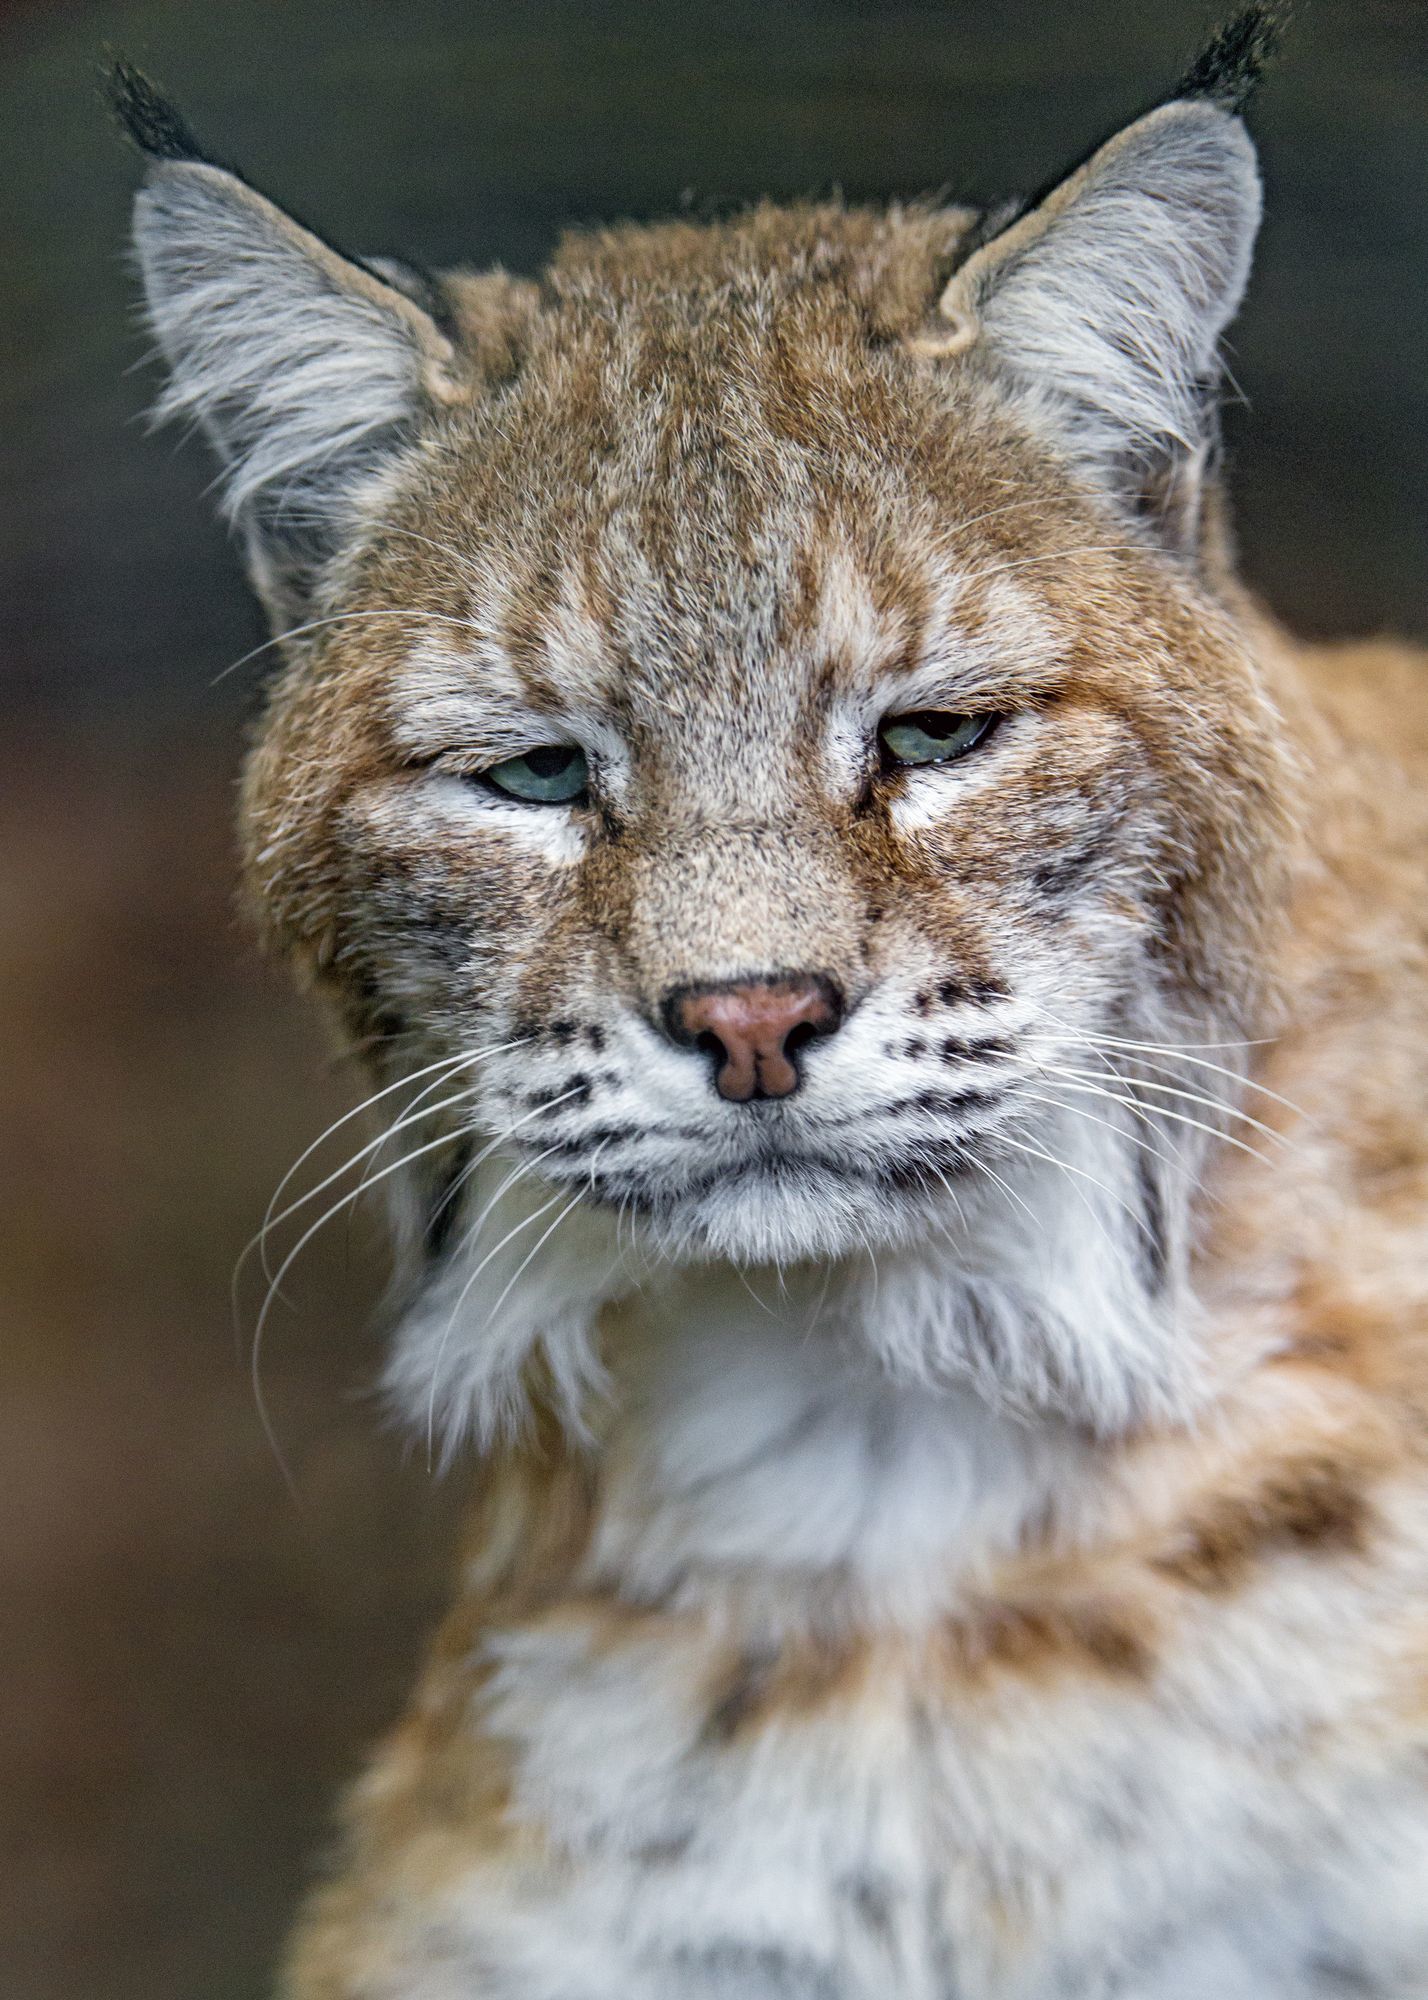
190, 1659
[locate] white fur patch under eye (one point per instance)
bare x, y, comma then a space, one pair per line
550, 831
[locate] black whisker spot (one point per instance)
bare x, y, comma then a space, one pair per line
948, 1103
915, 1048
571, 1090
591, 1141
927, 1170
956, 1049
970, 990
561, 1032
595, 1038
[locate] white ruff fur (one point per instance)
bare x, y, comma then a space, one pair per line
826, 1448
1025, 1296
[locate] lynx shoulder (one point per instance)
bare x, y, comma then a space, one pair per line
897, 998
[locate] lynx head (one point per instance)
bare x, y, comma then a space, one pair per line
762, 704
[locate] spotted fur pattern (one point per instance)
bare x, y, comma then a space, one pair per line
959, 1531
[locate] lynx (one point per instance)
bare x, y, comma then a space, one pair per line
895, 999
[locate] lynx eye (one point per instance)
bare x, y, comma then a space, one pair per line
550, 775
930, 736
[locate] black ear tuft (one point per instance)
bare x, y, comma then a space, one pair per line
157, 127
1230, 68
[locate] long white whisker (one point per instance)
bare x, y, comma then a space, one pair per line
1011, 1194
1161, 1111
1055, 555
450, 1067
1176, 1052
414, 1114
470, 1235
953, 1196
1175, 1158
520, 1172
372, 1148
446, 1062
473, 1165
463, 563
1177, 1057
1136, 1083
255, 1365
342, 618
533, 1252
1036, 1152
1165, 1048
991, 513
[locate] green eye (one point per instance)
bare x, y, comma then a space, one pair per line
930, 736
548, 776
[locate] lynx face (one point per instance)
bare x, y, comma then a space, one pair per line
758, 706
763, 978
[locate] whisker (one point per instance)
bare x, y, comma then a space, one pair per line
1056, 555
479, 1160
342, 618
372, 1147
1164, 1111
449, 1066
470, 1235
1037, 1153
1142, 1049
463, 563
446, 1062
255, 1364
1173, 1159
517, 1174
534, 1251
411, 1115
1011, 1194
1068, 1027
953, 1196
991, 513
514, 1231
1134, 1083
257, 1241
522, 1171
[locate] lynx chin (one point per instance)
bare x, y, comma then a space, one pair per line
895, 1002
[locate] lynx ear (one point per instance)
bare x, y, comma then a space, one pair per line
306, 369
1107, 301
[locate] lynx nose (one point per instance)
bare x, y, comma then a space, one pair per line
754, 1028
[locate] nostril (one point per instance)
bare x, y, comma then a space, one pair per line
804, 1032
709, 1044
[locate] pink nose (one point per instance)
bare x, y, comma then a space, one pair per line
753, 1028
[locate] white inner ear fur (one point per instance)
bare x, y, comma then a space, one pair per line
291, 358
1112, 295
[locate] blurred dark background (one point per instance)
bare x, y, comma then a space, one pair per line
190, 1658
